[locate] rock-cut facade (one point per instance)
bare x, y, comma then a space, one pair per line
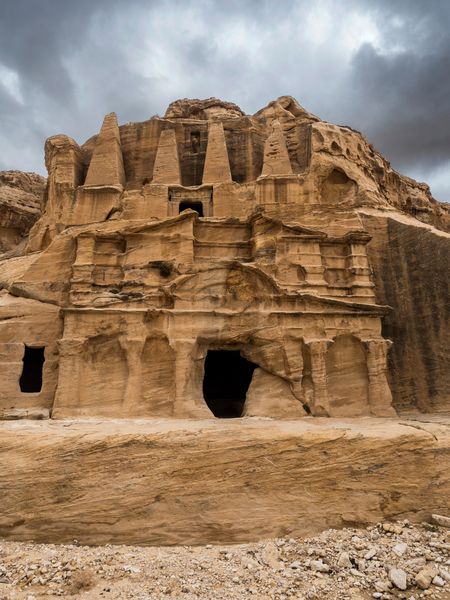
208, 263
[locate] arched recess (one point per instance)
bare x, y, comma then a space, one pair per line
103, 377
232, 285
347, 377
337, 188
158, 378
227, 376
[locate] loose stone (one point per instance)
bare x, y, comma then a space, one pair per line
398, 577
438, 581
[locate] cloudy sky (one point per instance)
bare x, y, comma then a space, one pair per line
381, 66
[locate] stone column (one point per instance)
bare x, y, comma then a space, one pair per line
311, 261
318, 350
83, 266
361, 283
133, 348
294, 364
188, 385
67, 393
380, 397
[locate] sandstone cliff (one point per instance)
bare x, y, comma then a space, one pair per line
21, 203
261, 268
411, 265
210, 209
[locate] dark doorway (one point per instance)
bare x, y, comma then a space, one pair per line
31, 378
226, 381
197, 206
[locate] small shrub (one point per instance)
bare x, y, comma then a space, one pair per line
81, 581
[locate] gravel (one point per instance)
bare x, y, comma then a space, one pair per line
386, 561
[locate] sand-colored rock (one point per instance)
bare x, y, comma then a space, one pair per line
21, 204
212, 263
191, 482
217, 166
276, 156
106, 164
209, 231
167, 164
411, 266
202, 109
424, 578
441, 520
22, 322
271, 396
283, 566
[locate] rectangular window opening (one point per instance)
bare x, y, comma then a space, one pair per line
33, 362
197, 206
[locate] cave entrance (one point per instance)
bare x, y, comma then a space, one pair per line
33, 361
197, 206
226, 381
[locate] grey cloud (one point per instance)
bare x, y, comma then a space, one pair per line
78, 60
403, 103
400, 93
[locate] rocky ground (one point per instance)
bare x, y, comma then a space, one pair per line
387, 561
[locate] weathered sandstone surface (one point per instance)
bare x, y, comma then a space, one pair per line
212, 263
411, 265
21, 203
277, 237
192, 482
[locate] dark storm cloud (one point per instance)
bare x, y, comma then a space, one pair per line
402, 90
379, 66
33, 39
410, 96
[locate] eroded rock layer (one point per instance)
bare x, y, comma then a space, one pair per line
212, 262
411, 265
21, 203
172, 482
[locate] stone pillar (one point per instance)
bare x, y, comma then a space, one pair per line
83, 266
294, 357
189, 400
361, 283
217, 165
106, 166
311, 261
69, 373
380, 397
167, 164
318, 350
133, 348
276, 156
